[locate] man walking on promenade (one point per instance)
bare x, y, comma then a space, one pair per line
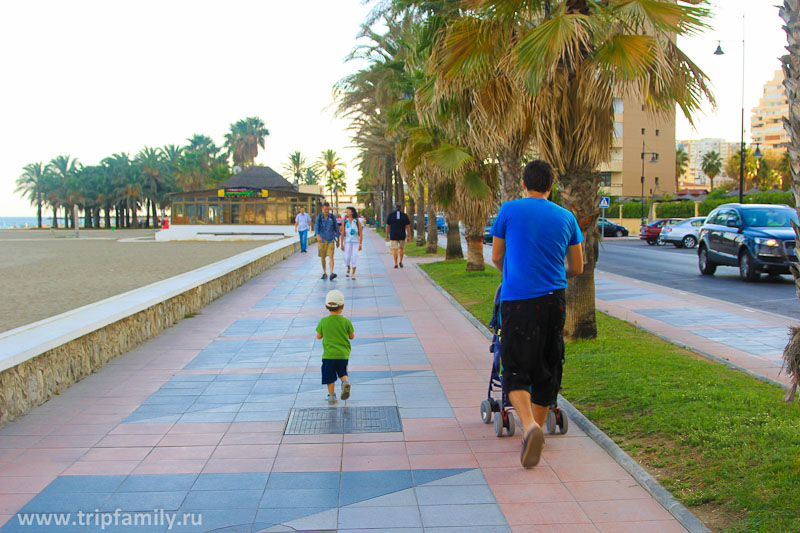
326, 228
532, 239
397, 226
301, 222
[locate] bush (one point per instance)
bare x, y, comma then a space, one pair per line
682, 209
634, 209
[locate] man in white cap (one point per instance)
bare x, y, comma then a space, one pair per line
336, 331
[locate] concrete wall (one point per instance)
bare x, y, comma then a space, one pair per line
221, 232
39, 360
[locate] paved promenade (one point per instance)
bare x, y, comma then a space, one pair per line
193, 424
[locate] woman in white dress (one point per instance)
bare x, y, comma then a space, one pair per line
352, 241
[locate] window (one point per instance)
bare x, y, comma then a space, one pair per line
214, 214
657, 132
618, 105
618, 130
642, 131
605, 179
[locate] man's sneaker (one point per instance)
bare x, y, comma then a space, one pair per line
345, 390
331, 398
324, 276
333, 276
395, 266
401, 264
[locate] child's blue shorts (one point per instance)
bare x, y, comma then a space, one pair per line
333, 368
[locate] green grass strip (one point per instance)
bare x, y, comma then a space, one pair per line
722, 442
412, 250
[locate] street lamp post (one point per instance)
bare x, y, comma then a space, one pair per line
654, 159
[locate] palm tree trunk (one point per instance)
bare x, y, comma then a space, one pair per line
55, 217
108, 216
475, 262
87, 217
412, 211
433, 237
155, 215
388, 185
510, 169
579, 192
454, 249
421, 214
39, 213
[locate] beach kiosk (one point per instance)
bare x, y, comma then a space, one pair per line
257, 203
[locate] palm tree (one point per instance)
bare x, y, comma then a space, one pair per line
681, 164
790, 13
310, 177
65, 170
155, 173
32, 185
296, 166
336, 183
244, 140
711, 165
329, 164
567, 60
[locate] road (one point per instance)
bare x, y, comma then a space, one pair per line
677, 269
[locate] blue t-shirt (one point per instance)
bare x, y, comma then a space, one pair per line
537, 233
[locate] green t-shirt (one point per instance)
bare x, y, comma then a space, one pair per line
335, 331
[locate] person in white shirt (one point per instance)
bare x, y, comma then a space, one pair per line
352, 241
301, 223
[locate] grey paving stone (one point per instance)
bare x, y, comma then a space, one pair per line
222, 500
379, 517
462, 515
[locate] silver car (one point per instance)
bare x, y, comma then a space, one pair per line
683, 234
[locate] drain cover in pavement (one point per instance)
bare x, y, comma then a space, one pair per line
330, 420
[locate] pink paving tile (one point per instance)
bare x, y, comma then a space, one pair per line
19, 441
101, 468
20, 428
24, 484
446, 460
375, 462
42, 468
116, 454
590, 472
67, 441
4, 518
586, 456
251, 438
498, 460
509, 445
373, 448
256, 427
570, 442
544, 513
527, 493
198, 427
373, 437
656, 526
519, 475
60, 455
627, 489
7, 454
183, 466
191, 439
231, 466
245, 451
625, 511
307, 464
312, 439
141, 429
179, 453
11, 503
555, 528
119, 441
84, 429
438, 447
310, 450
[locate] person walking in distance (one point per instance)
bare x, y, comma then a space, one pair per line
398, 226
352, 241
326, 229
301, 223
532, 239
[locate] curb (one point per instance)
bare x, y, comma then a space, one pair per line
681, 513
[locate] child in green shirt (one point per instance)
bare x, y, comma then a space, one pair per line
335, 331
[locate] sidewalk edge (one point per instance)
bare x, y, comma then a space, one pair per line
681, 513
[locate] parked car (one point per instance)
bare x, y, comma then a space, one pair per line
652, 231
441, 225
755, 237
683, 234
487, 231
611, 229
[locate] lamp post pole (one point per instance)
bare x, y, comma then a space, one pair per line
653, 160
719, 52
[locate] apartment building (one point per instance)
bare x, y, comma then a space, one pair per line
694, 177
766, 121
635, 128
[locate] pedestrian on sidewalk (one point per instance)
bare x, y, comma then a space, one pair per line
336, 331
532, 239
352, 241
326, 228
398, 226
301, 223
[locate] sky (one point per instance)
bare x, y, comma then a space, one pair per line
91, 78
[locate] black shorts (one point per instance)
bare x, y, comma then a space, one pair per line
532, 345
333, 368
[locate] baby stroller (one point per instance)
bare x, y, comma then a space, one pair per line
556, 422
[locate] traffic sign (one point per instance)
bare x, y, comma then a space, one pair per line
605, 202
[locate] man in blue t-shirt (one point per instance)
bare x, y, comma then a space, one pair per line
532, 239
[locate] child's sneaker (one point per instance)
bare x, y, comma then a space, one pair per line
345, 390
331, 398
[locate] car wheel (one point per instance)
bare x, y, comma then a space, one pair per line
690, 241
747, 270
677, 244
661, 242
619, 233
651, 243
707, 267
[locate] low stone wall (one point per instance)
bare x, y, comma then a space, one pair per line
33, 382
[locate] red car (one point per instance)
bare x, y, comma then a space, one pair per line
651, 231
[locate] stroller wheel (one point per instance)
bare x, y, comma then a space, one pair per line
563, 425
550, 422
486, 412
510, 423
498, 425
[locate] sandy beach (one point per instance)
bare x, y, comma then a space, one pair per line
45, 273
